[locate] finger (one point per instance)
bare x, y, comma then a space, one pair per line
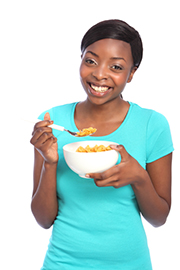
47, 116
48, 119
46, 122
40, 124
42, 141
106, 175
114, 180
107, 182
122, 151
94, 175
47, 144
38, 134
115, 184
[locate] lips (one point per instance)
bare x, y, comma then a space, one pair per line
99, 88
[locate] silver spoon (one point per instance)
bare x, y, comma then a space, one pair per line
57, 127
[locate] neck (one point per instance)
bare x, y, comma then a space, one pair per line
110, 111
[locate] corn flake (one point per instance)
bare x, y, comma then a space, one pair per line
96, 148
86, 132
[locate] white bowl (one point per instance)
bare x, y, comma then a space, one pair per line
84, 163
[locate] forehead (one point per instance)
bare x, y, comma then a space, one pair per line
111, 48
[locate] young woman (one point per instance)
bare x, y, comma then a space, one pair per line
96, 221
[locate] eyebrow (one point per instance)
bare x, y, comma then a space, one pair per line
118, 58
113, 58
92, 53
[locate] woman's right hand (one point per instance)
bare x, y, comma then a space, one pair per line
44, 141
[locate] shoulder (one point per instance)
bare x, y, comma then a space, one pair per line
148, 115
157, 132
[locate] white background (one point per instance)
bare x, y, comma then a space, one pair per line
39, 68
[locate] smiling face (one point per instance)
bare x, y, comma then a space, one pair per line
107, 65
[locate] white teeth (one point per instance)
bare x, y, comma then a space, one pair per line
99, 88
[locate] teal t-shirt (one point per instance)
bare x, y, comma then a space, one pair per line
100, 227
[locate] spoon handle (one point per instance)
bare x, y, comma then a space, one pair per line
53, 126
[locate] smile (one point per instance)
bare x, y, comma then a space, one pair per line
100, 89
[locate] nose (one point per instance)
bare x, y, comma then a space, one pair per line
100, 72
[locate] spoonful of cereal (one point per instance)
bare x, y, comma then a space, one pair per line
86, 132
81, 133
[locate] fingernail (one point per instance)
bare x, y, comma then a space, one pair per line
87, 175
113, 146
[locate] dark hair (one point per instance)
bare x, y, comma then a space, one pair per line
115, 29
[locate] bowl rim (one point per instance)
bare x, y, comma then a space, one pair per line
89, 142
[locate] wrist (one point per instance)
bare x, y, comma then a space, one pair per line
141, 179
50, 164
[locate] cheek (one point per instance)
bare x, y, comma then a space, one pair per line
121, 79
83, 74
83, 71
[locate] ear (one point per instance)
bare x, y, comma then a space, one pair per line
133, 70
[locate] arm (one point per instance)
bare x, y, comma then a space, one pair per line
152, 187
44, 203
153, 192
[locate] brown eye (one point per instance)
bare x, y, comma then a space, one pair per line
117, 68
90, 61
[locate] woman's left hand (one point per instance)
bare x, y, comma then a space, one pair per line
128, 171
152, 188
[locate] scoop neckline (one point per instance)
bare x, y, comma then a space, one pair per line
106, 136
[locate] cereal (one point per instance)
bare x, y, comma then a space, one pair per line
86, 132
96, 148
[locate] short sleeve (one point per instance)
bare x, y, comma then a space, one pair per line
159, 141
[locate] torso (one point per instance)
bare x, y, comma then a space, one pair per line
101, 227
